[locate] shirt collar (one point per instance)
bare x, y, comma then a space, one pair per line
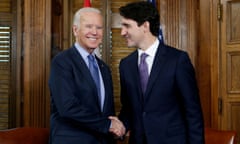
151, 51
82, 51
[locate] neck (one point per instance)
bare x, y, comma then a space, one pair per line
147, 42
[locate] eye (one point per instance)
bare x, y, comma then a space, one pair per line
88, 26
125, 25
99, 27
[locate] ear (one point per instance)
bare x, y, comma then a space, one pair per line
75, 30
146, 26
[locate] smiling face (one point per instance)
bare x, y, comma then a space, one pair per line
133, 33
89, 32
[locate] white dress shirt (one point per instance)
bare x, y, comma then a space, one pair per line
151, 52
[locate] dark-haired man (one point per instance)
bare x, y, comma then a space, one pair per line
159, 93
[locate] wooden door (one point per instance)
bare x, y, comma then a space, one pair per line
230, 65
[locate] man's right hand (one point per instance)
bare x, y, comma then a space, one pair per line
117, 127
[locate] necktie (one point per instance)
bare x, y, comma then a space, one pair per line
143, 71
95, 75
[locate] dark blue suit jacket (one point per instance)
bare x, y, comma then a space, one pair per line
170, 111
76, 116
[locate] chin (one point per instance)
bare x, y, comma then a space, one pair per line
130, 45
93, 46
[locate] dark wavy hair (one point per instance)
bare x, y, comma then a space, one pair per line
140, 12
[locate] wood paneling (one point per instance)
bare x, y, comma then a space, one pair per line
5, 6
185, 26
230, 65
37, 36
5, 61
179, 21
233, 71
233, 21
207, 62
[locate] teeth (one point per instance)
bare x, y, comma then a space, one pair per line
92, 38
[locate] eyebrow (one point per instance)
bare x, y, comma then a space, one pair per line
125, 24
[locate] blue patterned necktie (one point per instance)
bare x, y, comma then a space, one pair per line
143, 71
95, 75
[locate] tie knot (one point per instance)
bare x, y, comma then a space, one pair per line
143, 56
91, 57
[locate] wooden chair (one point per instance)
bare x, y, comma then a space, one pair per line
24, 135
214, 136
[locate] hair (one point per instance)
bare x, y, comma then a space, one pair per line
78, 14
141, 12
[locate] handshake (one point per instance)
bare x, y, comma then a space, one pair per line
117, 127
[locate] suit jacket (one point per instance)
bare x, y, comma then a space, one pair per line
169, 112
76, 116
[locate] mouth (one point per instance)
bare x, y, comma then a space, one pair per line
92, 38
127, 39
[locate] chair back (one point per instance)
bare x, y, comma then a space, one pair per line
214, 136
24, 135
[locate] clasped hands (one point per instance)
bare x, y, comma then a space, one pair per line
117, 127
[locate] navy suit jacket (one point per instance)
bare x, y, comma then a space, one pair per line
76, 116
170, 111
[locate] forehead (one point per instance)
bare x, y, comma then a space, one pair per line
127, 22
91, 16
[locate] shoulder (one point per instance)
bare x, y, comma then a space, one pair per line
171, 52
132, 56
65, 53
65, 57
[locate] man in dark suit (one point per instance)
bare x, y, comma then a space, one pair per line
82, 106
159, 93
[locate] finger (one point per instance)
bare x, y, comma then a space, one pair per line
113, 118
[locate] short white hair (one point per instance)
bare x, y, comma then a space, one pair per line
78, 14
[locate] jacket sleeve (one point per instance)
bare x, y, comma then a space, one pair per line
68, 100
188, 88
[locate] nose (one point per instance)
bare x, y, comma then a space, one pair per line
94, 30
123, 32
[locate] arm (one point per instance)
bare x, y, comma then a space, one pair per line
187, 85
125, 108
76, 107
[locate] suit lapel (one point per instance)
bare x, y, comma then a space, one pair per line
105, 81
133, 73
83, 69
80, 63
136, 76
156, 68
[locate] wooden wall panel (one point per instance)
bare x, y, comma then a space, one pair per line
182, 27
233, 21
5, 6
203, 69
5, 75
9, 59
230, 65
233, 108
37, 36
57, 30
179, 21
233, 71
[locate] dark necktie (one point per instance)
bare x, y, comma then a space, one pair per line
143, 71
95, 75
